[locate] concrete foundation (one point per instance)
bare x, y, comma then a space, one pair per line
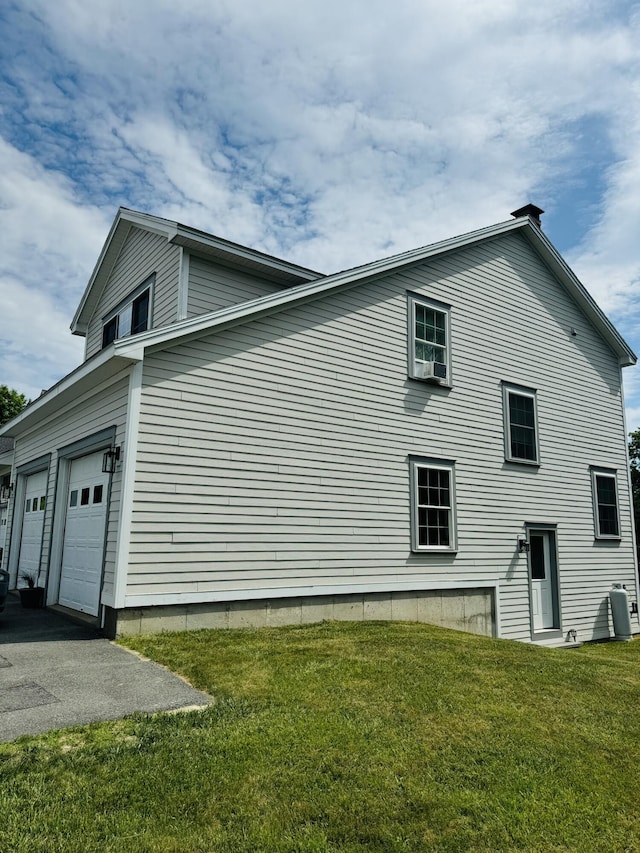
470, 610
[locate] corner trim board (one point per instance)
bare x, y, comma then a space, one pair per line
128, 485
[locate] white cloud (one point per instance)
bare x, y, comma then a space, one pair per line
329, 133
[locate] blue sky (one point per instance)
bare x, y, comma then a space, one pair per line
328, 133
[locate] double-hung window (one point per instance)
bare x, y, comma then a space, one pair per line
130, 317
432, 505
605, 503
520, 425
429, 354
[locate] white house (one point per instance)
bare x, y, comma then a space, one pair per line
434, 436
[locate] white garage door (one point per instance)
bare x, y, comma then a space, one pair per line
83, 548
32, 524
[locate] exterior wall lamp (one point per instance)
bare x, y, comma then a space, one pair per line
6, 492
109, 460
523, 546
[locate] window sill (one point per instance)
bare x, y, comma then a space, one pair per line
434, 550
529, 462
433, 382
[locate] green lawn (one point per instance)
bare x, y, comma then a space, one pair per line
348, 737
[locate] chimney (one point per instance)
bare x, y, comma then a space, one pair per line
531, 210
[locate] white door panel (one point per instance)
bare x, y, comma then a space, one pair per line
84, 535
35, 501
541, 580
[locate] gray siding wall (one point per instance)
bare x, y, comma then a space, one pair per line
287, 466
213, 286
143, 253
89, 415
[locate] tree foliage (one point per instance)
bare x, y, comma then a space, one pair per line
11, 403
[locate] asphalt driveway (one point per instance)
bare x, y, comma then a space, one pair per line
54, 673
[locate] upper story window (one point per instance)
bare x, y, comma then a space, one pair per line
432, 505
520, 425
429, 340
605, 503
130, 316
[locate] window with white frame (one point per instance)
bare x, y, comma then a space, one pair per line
130, 317
429, 340
432, 505
520, 424
605, 503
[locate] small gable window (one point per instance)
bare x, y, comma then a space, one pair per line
131, 317
429, 341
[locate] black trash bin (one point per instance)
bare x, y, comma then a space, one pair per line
4, 588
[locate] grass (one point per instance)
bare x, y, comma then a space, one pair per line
347, 737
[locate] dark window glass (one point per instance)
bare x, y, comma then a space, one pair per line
140, 315
537, 558
73, 498
607, 506
34, 507
27, 506
84, 497
97, 494
109, 332
43, 502
522, 427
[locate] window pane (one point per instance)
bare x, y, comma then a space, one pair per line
430, 334
434, 507
124, 322
537, 558
27, 506
522, 427
73, 498
34, 508
140, 318
43, 502
97, 494
110, 332
607, 506
84, 497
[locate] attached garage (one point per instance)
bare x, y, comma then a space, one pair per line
35, 502
84, 535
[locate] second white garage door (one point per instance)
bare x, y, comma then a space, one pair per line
84, 533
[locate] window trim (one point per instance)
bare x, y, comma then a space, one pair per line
127, 304
424, 462
612, 474
415, 299
521, 391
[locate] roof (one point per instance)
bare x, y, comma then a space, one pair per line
124, 352
284, 272
305, 291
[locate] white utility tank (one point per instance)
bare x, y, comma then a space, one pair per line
620, 612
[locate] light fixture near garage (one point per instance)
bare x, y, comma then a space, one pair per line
109, 460
523, 545
5, 492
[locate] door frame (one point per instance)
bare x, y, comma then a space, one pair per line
551, 530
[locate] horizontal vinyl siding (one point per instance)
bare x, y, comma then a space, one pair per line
143, 254
89, 415
275, 454
213, 286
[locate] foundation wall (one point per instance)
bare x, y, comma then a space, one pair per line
470, 610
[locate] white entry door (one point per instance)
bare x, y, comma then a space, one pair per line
541, 579
35, 502
84, 535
